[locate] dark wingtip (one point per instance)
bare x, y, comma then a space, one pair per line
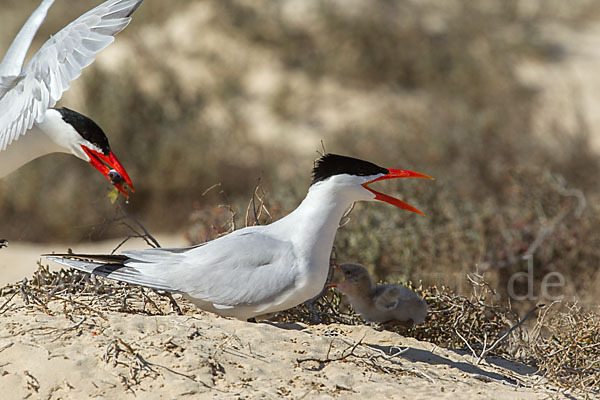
139, 3
107, 258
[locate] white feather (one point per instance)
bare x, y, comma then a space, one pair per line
26, 94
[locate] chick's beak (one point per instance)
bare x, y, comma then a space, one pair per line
331, 285
396, 173
106, 163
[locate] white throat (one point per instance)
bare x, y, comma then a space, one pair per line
51, 135
312, 228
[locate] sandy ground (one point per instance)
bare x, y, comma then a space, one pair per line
51, 354
62, 353
19, 259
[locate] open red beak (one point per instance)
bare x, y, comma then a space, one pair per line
396, 173
105, 164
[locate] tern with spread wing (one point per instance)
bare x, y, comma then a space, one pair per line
29, 127
258, 269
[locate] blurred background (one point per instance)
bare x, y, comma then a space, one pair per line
498, 100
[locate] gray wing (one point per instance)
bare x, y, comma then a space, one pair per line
401, 303
113, 269
15, 56
25, 98
388, 296
245, 267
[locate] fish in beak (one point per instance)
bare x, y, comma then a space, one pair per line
111, 168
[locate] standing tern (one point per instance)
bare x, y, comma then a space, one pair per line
258, 269
29, 127
386, 303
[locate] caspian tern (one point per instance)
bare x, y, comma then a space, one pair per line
29, 127
258, 269
386, 303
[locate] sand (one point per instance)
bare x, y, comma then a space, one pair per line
19, 259
64, 351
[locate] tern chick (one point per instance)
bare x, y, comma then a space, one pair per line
387, 303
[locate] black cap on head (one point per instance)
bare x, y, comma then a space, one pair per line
87, 128
332, 164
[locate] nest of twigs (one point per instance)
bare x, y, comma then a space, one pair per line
563, 344
71, 291
472, 324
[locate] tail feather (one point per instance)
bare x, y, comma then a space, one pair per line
110, 266
107, 258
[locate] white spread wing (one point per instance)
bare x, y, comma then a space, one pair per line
13, 60
59, 61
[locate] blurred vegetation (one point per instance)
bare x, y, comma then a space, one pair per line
206, 92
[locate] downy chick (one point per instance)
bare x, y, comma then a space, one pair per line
387, 303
